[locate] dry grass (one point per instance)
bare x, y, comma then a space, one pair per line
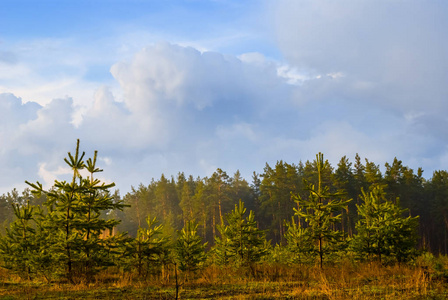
342, 281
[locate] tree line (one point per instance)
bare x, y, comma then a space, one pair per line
305, 213
271, 195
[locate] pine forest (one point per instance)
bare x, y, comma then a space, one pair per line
305, 230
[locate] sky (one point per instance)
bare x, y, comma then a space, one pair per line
192, 86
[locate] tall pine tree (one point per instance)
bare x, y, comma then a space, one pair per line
74, 217
321, 211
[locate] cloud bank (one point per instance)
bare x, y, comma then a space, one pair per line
365, 77
182, 110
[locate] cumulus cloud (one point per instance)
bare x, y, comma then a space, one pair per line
49, 176
181, 109
196, 104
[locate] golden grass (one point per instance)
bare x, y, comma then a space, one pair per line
345, 280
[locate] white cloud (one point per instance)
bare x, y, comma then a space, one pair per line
180, 108
291, 74
49, 176
173, 108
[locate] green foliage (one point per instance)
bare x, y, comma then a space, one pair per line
25, 247
189, 207
241, 242
383, 232
320, 212
147, 251
299, 243
275, 197
189, 249
344, 181
74, 218
19, 244
437, 208
63, 231
276, 254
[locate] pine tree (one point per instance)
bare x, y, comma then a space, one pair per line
186, 192
25, 247
91, 225
203, 213
166, 204
344, 181
299, 245
219, 200
240, 189
382, 230
141, 203
372, 173
190, 251
321, 211
19, 244
241, 243
359, 172
276, 200
144, 253
74, 219
62, 201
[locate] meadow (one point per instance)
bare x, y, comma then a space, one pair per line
424, 278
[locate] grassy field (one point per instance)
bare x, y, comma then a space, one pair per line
428, 280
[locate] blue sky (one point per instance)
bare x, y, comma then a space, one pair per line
168, 86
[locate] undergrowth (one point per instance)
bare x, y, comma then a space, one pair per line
424, 278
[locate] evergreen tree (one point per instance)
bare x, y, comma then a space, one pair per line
239, 189
344, 181
190, 251
19, 245
437, 206
62, 202
299, 243
91, 226
141, 203
382, 230
146, 251
6, 213
393, 178
373, 174
359, 172
241, 242
321, 211
187, 204
276, 200
74, 220
219, 195
204, 215
8, 200
167, 205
